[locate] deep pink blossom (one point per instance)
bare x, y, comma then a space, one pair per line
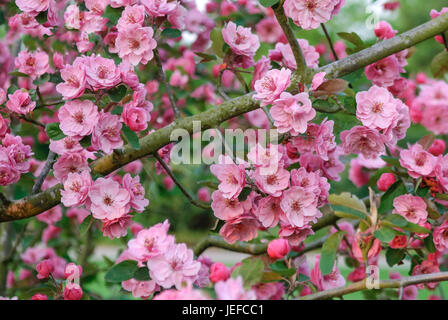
20, 102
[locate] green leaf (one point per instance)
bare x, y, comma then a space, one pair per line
439, 65
142, 274
387, 200
280, 268
18, 74
396, 220
217, 41
171, 33
353, 38
429, 244
42, 80
251, 270
268, 3
412, 227
131, 136
85, 225
113, 14
384, 234
118, 110
85, 142
244, 193
117, 93
54, 132
122, 271
206, 57
392, 161
329, 249
394, 256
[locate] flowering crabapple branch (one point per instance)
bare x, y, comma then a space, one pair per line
383, 284
330, 43
179, 185
385, 48
35, 204
302, 69
45, 171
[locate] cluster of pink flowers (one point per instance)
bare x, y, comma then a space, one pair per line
309, 14
242, 43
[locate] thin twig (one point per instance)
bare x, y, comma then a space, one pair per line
45, 170
335, 55
445, 42
384, 284
179, 185
165, 82
37, 123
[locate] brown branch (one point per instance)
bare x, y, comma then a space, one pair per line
330, 43
44, 173
383, 284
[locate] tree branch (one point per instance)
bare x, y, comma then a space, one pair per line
35, 204
384, 284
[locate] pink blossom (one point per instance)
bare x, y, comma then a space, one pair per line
101, 73
376, 108
50, 216
33, 6
295, 236
441, 172
219, 272
135, 118
384, 72
383, 30
426, 267
151, 242
74, 83
363, 140
108, 199
261, 67
78, 118
435, 117
268, 211
411, 207
72, 291
18, 153
440, 236
418, 161
72, 17
106, 133
136, 45
186, 293
292, 113
67, 144
269, 30
71, 162
136, 192
77, 213
44, 269
225, 208
437, 147
283, 53
204, 194
272, 183
140, 289
269, 291
318, 79
132, 16
410, 293
39, 296
278, 248
299, 206
76, 189
357, 174
232, 179
270, 87
72, 272
309, 14
240, 39
242, 228
116, 228
232, 289
33, 64
326, 282
159, 8
175, 266
20, 102
385, 181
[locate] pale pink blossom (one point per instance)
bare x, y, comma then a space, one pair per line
67, 144
136, 191
108, 200
270, 87
232, 179
363, 140
242, 228
50, 216
74, 83
18, 153
159, 8
312, 182
101, 73
225, 208
232, 289
140, 289
309, 14
418, 161
240, 39
440, 236
174, 267
20, 102
76, 189
318, 79
272, 183
78, 118
300, 206
136, 45
71, 162
269, 30
283, 53
151, 242
269, 212
33, 63
106, 133
33, 6
376, 108
292, 113
411, 207
186, 293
